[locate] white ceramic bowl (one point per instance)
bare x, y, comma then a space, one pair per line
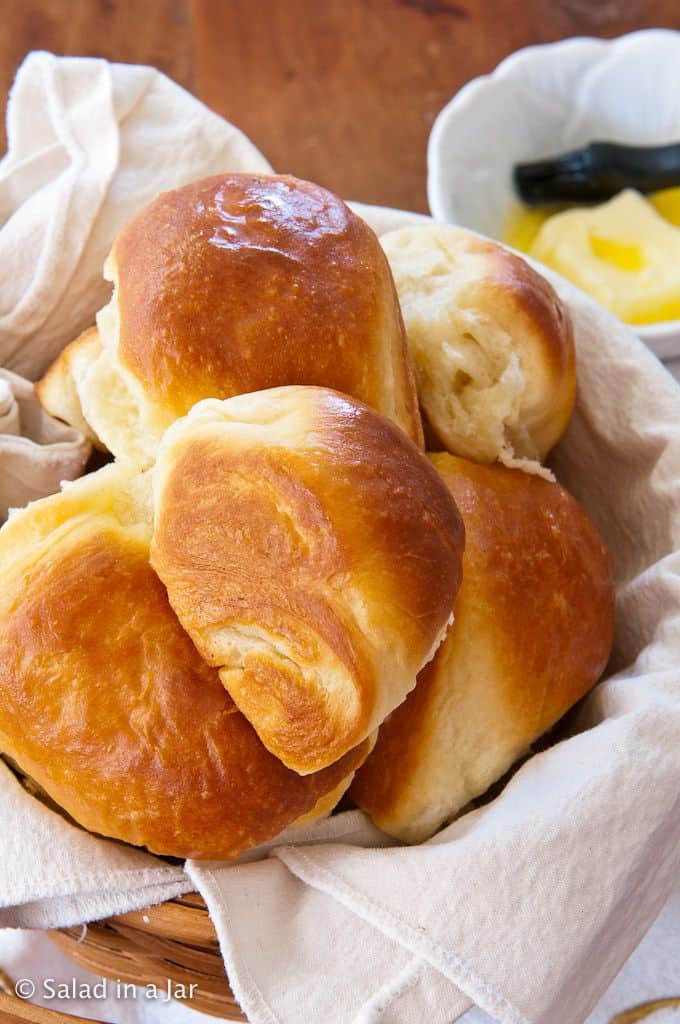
542, 101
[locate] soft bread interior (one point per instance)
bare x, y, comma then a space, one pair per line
116, 494
474, 382
487, 339
60, 390
462, 750
113, 399
469, 375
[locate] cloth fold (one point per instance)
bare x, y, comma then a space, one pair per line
90, 144
37, 452
54, 875
526, 906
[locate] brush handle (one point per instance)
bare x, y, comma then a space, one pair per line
598, 171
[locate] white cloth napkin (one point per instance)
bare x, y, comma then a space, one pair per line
526, 907
651, 972
90, 144
36, 452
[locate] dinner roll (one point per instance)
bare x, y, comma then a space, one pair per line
533, 631
491, 342
233, 284
104, 700
58, 391
313, 555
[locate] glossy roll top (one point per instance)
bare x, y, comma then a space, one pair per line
234, 284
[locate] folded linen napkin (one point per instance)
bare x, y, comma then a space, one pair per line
36, 451
653, 969
90, 144
9, 409
527, 906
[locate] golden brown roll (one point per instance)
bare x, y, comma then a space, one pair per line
237, 283
532, 633
491, 342
104, 700
313, 555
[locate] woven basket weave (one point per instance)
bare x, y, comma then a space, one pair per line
173, 941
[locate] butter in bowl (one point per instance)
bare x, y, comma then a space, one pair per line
540, 108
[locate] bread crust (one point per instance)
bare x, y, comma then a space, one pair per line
238, 283
313, 555
533, 630
105, 701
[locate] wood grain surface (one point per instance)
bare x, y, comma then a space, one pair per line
340, 91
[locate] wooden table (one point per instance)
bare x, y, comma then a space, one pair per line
340, 91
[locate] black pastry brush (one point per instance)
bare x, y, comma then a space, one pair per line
596, 172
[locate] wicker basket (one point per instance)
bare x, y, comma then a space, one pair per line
174, 941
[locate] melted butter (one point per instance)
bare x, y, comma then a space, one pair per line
625, 252
523, 225
623, 255
667, 203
